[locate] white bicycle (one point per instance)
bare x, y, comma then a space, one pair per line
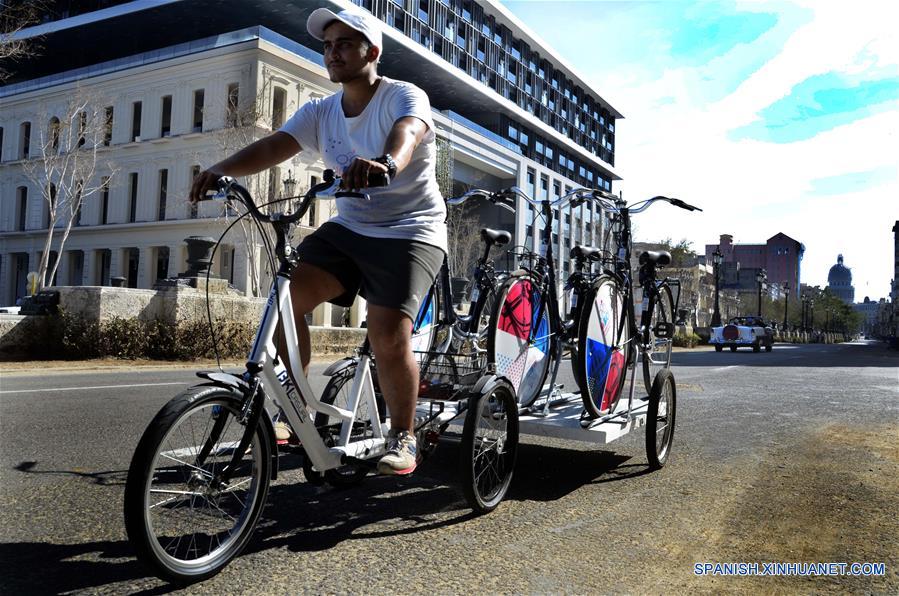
199, 477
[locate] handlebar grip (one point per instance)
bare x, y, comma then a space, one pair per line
379, 179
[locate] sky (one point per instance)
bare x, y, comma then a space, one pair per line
770, 116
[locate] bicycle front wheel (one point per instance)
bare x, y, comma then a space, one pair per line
518, 342
603, 344
181, 519
658, 354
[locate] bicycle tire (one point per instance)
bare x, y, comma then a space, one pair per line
518, 346
489, 447
145, 519
336, 393
661, 416
660, 356
603, 347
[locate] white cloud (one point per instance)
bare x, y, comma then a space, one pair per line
681, 148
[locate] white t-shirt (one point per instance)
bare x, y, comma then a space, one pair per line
411, 207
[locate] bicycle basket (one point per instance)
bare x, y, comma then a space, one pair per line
448, 377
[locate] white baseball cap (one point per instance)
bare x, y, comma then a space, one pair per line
358, 19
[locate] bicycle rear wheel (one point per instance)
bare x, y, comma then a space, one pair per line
658, 356
179, 519
337, 393
660, 419
489, 447
518, 342
603, 347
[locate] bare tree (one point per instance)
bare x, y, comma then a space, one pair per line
16, 15
66, 168
462, 227
246, 122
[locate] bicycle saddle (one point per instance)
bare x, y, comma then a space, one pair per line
588, 253
659, 258
497, 237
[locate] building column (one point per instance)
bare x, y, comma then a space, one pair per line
6, 281
175, 259
116, 267
321, 316
357, 311
62, 272
89, 274
145, 268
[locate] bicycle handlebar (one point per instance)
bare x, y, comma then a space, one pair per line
327, 189
494, 197
606, 200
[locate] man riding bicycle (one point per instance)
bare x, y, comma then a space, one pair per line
388, 250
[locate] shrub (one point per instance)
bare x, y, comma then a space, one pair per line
76, 337
686, 340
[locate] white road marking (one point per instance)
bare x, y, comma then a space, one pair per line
721, 368
84, 388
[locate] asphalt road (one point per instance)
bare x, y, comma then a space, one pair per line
791, 456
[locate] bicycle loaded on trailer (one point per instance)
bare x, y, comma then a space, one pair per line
199, 477
529, 336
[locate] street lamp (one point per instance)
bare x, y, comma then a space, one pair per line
761, 277
786, 289
803, 300
290, 184
717, 259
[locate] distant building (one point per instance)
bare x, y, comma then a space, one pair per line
870, 309
839, 282
780, 256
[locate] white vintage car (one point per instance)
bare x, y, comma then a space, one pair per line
747, 332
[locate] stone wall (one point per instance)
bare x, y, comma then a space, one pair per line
22, 335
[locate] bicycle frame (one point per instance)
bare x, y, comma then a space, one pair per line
294, 395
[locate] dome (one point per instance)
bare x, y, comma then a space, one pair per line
839, 274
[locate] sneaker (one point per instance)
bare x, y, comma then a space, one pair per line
401, 454
284, 434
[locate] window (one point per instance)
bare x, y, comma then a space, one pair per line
24, 140
54, 133
466, 10
233, 104
279, 102
163, 194
549, 152
104, 202
107, 126
513, 132
162, 262
21, 208
135, 121
538, 146
79, 203
82, 126
199, 98
423, 10
166, 128
194, 207
132, 198
312, 182
523, 138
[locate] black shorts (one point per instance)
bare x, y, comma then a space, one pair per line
389, 272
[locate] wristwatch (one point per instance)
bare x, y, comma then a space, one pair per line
387, 160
